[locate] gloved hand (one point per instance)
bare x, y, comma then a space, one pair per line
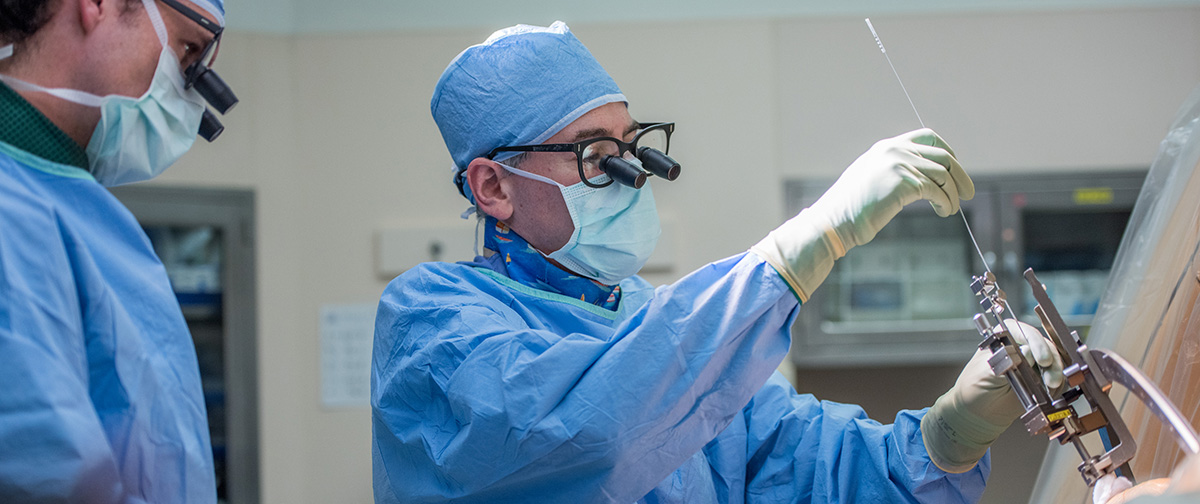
964, 422
891, 174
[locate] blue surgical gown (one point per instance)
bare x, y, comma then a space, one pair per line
100, 397
486, 390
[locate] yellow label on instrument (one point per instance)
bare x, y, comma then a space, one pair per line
1058, 415
1093, 195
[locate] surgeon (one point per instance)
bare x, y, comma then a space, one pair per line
546, 371
100, 399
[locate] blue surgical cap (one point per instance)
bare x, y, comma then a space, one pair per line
214, 7
519, 87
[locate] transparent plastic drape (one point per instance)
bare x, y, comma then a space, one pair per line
1150, 313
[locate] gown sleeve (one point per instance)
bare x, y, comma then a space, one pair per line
800, 449
470, 402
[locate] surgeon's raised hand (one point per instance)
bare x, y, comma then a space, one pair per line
891, 174
964, 422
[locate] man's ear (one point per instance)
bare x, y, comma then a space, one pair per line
91, 11
492, 197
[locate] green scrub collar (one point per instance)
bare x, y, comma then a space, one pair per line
25, 128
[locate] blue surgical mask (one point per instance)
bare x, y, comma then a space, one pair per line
616, 228
138, 138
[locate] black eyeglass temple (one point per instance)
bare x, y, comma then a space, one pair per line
204, 22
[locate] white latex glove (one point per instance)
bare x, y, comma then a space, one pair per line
1038, 351
891, 174
1108, 486
964, 422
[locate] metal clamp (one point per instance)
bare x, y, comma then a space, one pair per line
1090, 375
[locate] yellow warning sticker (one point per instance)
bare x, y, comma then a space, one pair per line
1058, 415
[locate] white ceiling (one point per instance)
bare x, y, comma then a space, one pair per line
326, 16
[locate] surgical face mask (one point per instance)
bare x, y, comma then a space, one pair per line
616, 228
138, 138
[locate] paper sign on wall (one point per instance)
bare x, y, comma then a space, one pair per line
346, 332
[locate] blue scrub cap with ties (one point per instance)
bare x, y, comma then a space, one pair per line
520, 86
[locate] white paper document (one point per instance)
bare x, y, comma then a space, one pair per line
346, 334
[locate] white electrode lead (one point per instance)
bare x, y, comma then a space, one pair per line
960, 210
914, 109
889, 60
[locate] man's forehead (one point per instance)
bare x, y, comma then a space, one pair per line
612, 119
585, 134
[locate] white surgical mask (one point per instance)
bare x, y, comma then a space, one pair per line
616, 228
137, 138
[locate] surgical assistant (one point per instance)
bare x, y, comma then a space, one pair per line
545, 370
102, 400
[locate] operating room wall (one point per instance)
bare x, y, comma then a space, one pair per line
334, 135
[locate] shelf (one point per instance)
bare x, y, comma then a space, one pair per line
199, 305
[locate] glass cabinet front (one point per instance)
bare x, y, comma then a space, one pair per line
904, 298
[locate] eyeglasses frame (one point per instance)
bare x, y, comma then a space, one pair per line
213, 45
579, 147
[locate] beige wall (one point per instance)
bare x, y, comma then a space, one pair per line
335, 137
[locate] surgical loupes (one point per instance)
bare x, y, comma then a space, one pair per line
623, 171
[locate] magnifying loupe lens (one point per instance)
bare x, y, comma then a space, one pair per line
661, 165
214, 90
210, 126
623, 172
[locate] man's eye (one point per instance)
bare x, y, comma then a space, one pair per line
191, 53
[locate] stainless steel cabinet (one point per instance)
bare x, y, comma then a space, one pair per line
1068, 229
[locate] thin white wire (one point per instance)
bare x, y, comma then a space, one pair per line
966, 223
889, 60
922, 122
